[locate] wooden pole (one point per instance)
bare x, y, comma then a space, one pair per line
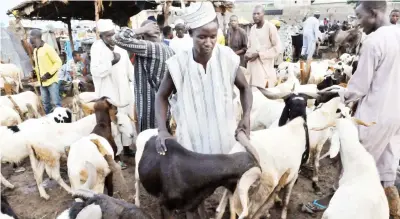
96, 14
70, 33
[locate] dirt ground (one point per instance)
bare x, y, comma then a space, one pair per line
27, 204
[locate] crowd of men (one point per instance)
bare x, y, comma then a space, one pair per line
191, 76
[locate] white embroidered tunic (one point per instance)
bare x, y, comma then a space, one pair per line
203, 104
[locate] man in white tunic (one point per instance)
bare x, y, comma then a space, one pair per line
203, 79
263, 47
376, 86
182, 41
112, 74
310, 35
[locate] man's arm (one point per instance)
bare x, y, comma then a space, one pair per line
275, 42
360, 82
99, 65
161, 101
246, 96
127, 38
55, 59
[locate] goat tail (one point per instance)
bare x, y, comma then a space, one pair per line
92, 176
306, 153
243, 140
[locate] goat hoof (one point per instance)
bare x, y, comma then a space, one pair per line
45, 196
316, 187
243, 215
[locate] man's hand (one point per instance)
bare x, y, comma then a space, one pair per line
45, 77
252, 56
244, 126
160, 142
117, 57
151, 28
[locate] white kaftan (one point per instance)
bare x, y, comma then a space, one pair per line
310, 36
181, 44
113, 81
266, 42
203, 105
376, 84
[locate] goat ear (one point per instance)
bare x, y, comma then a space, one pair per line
335, 144
284, 116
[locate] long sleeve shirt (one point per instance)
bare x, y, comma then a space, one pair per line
46, 61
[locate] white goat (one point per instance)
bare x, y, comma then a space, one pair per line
12, 71
91, 149
22, 99
141, 140
48, 140
360, 194
8, 116
326, 112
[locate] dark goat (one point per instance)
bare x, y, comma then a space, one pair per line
183, 179
111, 208
337, 78
6, 208
295, 106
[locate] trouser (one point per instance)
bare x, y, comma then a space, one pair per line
50, 95
383, 143
309, 44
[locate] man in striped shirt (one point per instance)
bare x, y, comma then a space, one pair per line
150, 67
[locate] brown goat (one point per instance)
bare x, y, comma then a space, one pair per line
106, 111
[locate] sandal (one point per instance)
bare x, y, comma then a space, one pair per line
313, 207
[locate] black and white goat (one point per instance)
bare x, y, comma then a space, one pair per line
6, 211
183, 179
280, 166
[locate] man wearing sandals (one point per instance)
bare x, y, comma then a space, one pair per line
375, 85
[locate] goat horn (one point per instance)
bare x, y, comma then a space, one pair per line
272, 95
132, 119
360, 122
332, 124
115, 104
310, 95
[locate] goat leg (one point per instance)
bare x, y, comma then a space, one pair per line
5, 182
202, 211
286, 197
38, 170
317, 155
109, 184
165, 213
222, 205
247, 179
137, 190
54, 172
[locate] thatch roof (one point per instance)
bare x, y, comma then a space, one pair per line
118, 11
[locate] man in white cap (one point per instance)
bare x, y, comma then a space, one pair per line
202, 81
310, 36
263, 47
150, 67
182, 41
112, 73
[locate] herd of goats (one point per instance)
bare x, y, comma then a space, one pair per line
87, 134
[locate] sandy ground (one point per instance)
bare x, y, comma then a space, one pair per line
27, 204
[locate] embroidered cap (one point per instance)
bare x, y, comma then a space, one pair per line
199, 14
104, 25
